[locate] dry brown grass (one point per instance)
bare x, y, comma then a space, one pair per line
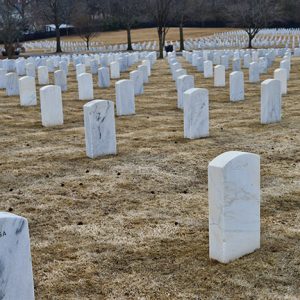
135, 226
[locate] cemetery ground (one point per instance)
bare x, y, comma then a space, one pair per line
136, 225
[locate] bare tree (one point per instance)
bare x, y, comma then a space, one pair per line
160, 11
85, 18
56, 12
187, 10
253, 15
10, 26
126, 12
23, 9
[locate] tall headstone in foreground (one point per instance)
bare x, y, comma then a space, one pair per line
16, 278
270, 102
51, 106
196, 113
125, 98
85, 86
237, 86
27, 91
100, 130
234, 205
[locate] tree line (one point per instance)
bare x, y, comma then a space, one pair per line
18, 17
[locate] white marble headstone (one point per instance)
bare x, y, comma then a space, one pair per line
80, 69
125, 101
63, 66
219, 76
234, 205
60, 79
270, 101
285, 64
137, 78
179, 73
103, 77
16, 277
144, 70
12, 84
200, 64
281, 74
184, 83
30, 70
237, 86
2, 79
20, 67
94, 66
115, 70
225, 61
43, 75
254, 74
147, 63
85, 86
208, 69
196, 113
236, 65
51, 106
27, 91
100, 130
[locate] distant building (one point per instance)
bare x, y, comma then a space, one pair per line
51, 27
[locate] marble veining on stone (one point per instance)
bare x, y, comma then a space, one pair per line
16, 277
234, 205
100, 131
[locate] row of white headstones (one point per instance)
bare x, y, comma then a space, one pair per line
271, 90
94, 46
51, 96
233, 182
266, 38
16, 276
234, 177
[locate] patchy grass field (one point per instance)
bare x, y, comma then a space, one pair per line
135, 226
